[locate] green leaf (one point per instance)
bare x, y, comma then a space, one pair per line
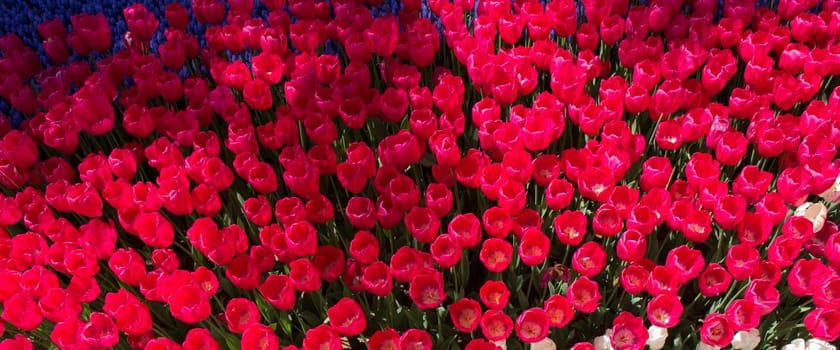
311, 318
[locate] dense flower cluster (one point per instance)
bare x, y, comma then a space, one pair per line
471, 174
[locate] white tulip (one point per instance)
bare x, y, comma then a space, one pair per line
746, 340
657, 337
603, 342
797, 344
704, 346
545, 344
816, 344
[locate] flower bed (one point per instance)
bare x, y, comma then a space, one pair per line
467, 175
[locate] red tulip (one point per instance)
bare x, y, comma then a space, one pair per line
696, 225
510, 27
240, 314
589, 259
664, 310
258, 210
302, 238
423, 122
634, 278
731, 148
637, 98
465, 314
668, 135
742, 261
304, 276
364, 247
259, 336
664, 280
823, 324
279, 292
587, 36
22, 312
772, 206
90, 33
717, 330
607, 221
200, 338
764, 295
446, 251
86, 289
804, 274
584, 295
729, 211
407, 262
512, 196
322, 337
329, 261
302, 178
400, 150
426, 290
65, 333
793, 184
507, 137
423, 224
347, 317
533, 248
751, 183
491, 178
546, 169
494, 295
631, 246
384, 339
387, 214
496, 325
128, 265
688, 262
445, 148
99, 332
532, 325
154, 230
376, 279
564, 17
244, 273
496, 254
417, 339
628, 332
394, 104
643, 219
353, 275
570, 227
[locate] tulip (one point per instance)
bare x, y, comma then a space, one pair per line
763, 294
570, 227
496, 254
823, 324
258, 335
717, 330
278, 291
496, 325
634, 278
384, 339
465, 314
426, 290
303, 276
323, 336
532, 325
346, 316
584, 295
